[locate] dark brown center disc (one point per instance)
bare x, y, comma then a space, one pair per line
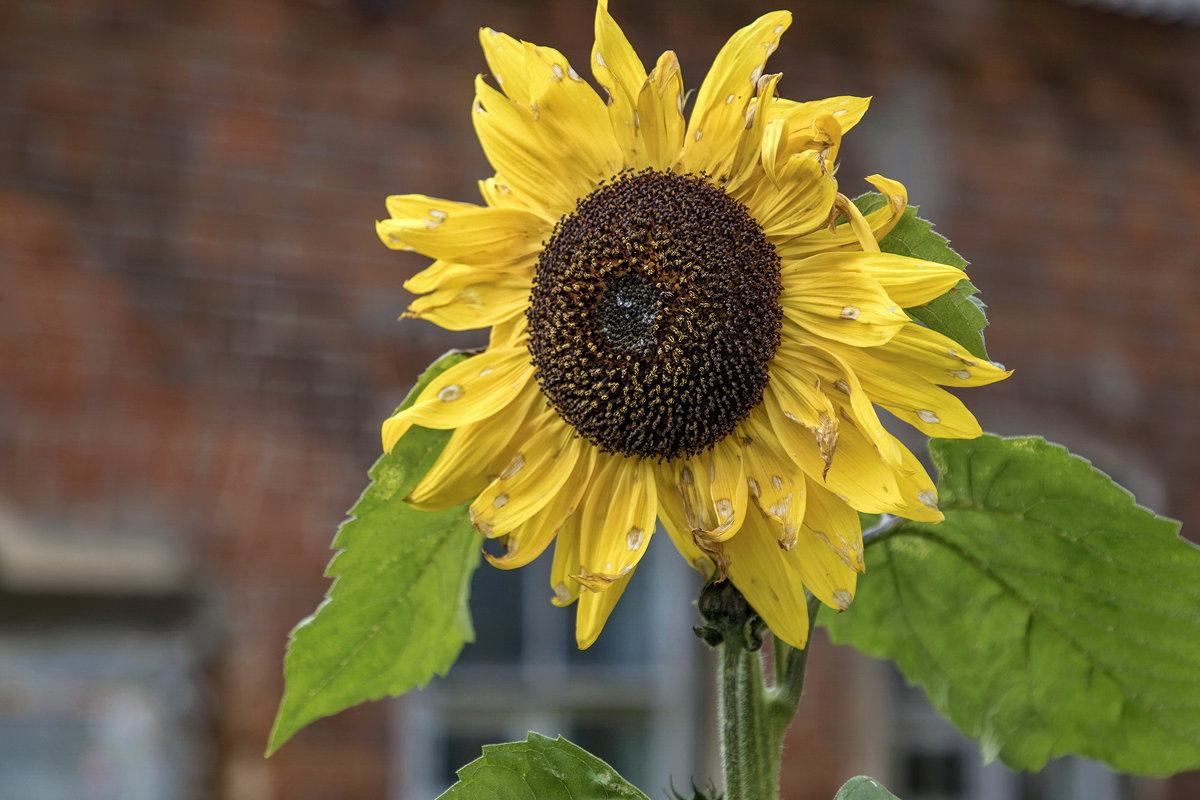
654, 314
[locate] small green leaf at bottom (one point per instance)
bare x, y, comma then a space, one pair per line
863, 788
539, 768
396, 613
1048, 615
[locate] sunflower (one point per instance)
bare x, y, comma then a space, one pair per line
688, 324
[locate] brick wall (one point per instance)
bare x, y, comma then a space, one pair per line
197, 317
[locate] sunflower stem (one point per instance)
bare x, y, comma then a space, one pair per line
750, 752
755, 716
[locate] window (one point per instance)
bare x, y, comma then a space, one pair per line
97, 716
98, 669
638, 698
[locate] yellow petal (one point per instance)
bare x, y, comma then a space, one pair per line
917, 489
841, 386
498, 194
671, 514
779, 143
822, 240
933, 411
444, 274
826, 297
826, 574
618, 519
693, 479
727, 486
748, 159
474, 305
467, 392
848, 111
823, 137
513, 147
571, 122
423, 208
882, 220
928, 354
509, 333
862, 478
768, 579
531, 538
566, 563
506, 60
771, 152
619, 70
798, 393
561, 119
615, 64
908, 281
836, 453
690, 481
775, 481
803, 420
836, 524
465, 466
718, 117
472, 235
903, 378
660, 112
860, 475
799, 202
534, 475
844, 207
594, 609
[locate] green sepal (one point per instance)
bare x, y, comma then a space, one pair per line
1048, 615
396, 614
536, 769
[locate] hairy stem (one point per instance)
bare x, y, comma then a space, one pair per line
755, 716
751, 759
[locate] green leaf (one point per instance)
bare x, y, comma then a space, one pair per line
536, 769
396, 613
863, 788
1049, 614
958, 313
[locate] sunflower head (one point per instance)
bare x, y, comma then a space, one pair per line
689, 326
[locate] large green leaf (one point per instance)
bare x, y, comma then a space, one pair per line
536, 769
396, 613
958, 313
1049, 614
863, 788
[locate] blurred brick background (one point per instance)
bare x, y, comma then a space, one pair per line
198, 322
